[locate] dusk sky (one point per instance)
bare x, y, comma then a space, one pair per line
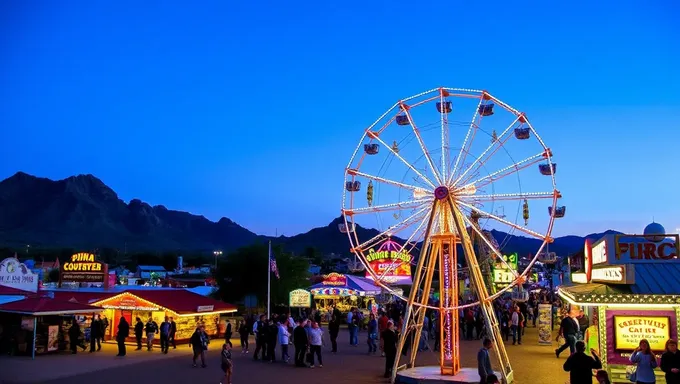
251, 110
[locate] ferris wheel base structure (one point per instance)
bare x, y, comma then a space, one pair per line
433, 375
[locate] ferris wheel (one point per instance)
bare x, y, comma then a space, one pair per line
433, 174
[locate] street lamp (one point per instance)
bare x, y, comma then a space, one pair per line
216, 253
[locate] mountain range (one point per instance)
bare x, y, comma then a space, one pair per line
83, 212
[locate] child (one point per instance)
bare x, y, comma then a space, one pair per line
227, 364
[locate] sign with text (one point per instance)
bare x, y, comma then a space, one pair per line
390, 263
299, 298
646, 249
615, 274
205, 308
504, 271
629, 330
127, 302
599, 252
84, 268
334, 279
545, 324
16, 275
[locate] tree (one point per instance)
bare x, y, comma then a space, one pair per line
243, 273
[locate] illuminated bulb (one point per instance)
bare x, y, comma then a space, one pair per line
419, 193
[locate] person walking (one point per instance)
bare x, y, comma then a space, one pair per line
372, 335
516, 324
74, 334
164, 331
301, 342
670, 362
645, 361
173, 332
151, 329
333, 331
315, 343
580, 366
243, 333
484, 361
227, 331
123, 333
96, 334
569, 329
139, 331
199, 344
283, 341
227, 364
389, 346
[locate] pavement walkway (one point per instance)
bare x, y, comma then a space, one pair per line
532, 363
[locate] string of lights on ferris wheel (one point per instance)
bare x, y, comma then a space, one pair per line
464, 188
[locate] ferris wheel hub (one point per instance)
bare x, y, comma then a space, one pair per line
441, 192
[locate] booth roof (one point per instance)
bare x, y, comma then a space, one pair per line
44, 306
356, 283
656, 279
82, 297
180, 301
4, 290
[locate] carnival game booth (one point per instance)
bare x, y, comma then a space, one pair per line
630, 287
344, 292
187, 309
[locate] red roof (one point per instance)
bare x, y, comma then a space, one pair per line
4, 290
82, 297
182, 301
45, 306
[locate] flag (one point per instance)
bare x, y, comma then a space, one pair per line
272, 262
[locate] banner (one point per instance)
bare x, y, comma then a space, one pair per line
390, 263
299, 298
545, 324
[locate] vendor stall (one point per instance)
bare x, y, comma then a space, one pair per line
344, 292
630, 288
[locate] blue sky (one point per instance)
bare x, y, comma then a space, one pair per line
251, 110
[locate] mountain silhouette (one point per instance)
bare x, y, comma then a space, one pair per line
83, 212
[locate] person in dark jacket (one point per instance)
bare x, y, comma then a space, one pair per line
272, 336
73, 336
670, 362
301, 342
164, 331
139, 331
123, 333
243, 331
173, 332
227, 331
96, 334
580, 366
260, 338
199, 343
484, 361
151, 329
333, 331
390, 337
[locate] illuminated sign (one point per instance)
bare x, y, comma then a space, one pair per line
588, 259
579, 277
205, 308
619, 274
389, 263
504, 273
637, 248
629, 330
299, 298
599, 253
127, 303
503, 276
83, 268
334, 279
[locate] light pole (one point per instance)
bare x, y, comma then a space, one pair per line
216, 253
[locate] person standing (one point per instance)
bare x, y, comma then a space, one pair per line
272, 335
516, 322
260, 338
173, 332
333, 331
199, 344
283, 341
243, 333
165, 335
227, 331
301, 342
645, 361
583, 324
580, 366
96, 333
389, 346
484, 361
350, 326
569, 329
151, 329
670, 362
139, 331
227, 364
373, 335
74, 334
123, 333
315, 343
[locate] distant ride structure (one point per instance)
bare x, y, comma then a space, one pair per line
437, 202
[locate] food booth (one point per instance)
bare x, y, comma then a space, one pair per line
629, 286
344, 292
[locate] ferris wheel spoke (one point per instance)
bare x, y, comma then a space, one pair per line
416, 131
497, 144
509, 196
411, 204
444, 123
394, 229
486, 241
354, 172
469, 136
503, 221
501, 173
375, 135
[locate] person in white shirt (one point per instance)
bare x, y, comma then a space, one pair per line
516, 323
291, 327
284, 337
315, 335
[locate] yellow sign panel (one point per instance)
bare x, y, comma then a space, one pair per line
300, 298
629, 330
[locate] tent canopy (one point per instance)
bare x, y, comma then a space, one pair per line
356, 286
